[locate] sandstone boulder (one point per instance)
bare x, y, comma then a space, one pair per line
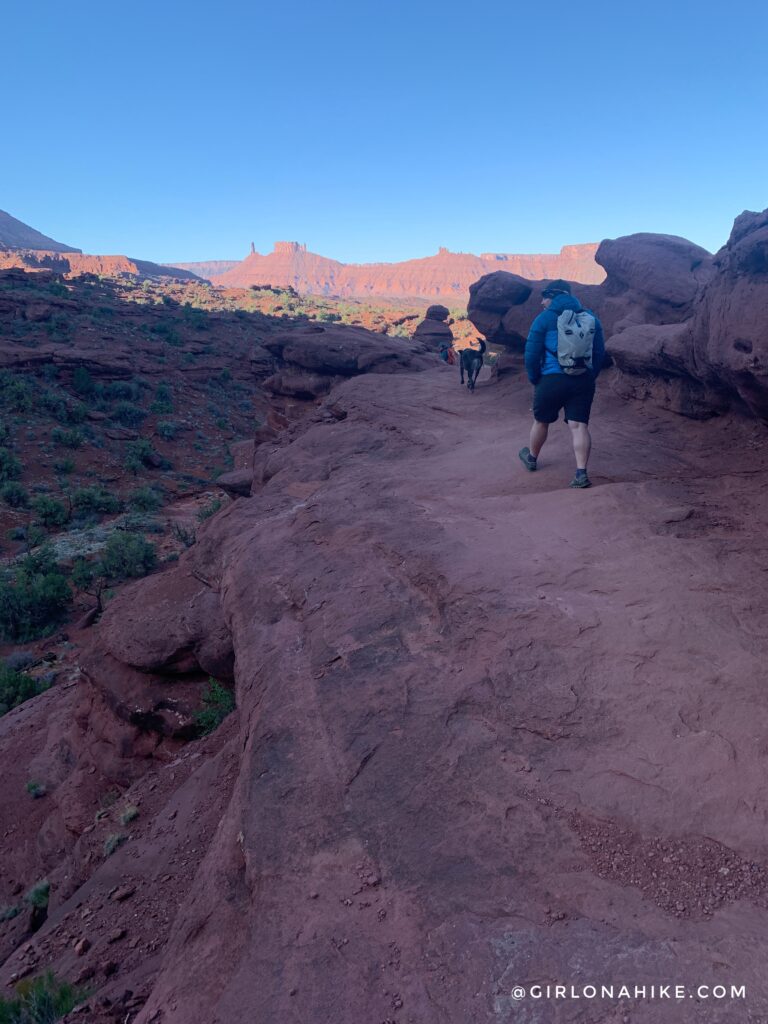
730, 325
339, 351
178, 628
663, 274
237, 483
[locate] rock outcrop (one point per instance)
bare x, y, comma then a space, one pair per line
446, 275
433, 330
72, 264
683, 327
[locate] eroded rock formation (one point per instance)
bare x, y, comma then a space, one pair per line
683, 327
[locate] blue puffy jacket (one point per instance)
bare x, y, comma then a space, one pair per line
541, 346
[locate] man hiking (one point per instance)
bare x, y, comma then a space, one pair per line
563, 356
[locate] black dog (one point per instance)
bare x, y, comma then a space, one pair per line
471, 361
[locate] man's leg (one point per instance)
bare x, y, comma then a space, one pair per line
539, 432
582, 443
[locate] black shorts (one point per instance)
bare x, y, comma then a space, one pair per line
556, 391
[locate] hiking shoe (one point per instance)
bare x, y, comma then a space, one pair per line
527, 459
580, 482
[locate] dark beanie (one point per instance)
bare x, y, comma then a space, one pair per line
556, 288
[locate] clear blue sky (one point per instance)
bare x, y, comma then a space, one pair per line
183, 131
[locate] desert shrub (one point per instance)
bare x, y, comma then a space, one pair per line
168, 334
8, 913
34, 599
209, 510
58, 289
14, 494
68, 438
83, 383
36, 789
138, 455
41, 1000
163, 400
128, 390
39, 894
64, 466
218, 702
167, 429
10, 467
112, 843
5, 434
196, 318
95, 500
59, 325
128, 555
145, 499
184, 535
59, 405
15, 688
16, 393
50, 511
129, 814
128, 414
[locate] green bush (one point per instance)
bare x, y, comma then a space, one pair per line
163, 400
41, 1000
129, 814
128, 555
68, 438
95, 500
167, 429
218, 702
8, 913
36, 789
83, 383
138, 455
126, 389
59, 325
128, 414
112, 843
13, 494
10, 467
61, 406
168, 333
196, 318
15, 688
64, 466
50, 511
39, 894
209, 510
34, 600
16, 393
145, 499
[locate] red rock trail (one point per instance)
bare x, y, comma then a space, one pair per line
491, 731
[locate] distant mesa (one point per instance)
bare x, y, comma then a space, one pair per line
16, 235
207, 269
447, 274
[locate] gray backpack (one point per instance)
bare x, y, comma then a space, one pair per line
575, 337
